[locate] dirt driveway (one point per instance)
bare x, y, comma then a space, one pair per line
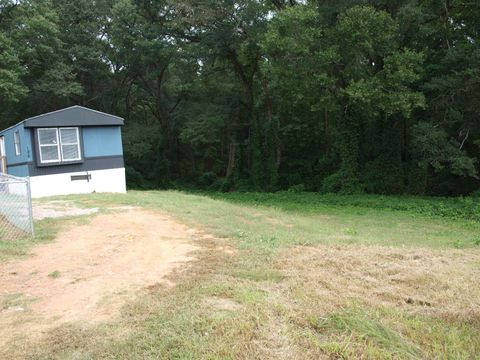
89, 271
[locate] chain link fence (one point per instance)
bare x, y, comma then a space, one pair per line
16, 218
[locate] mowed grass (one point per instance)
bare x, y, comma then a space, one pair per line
267, 221
308, 277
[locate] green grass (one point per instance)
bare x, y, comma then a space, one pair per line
45, 231
371, 330
265, 221
274, 315
385, 333
436, 207
55, 274
15, 300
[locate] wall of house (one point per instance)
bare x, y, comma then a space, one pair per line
101, 147
102, 165
108, 181
100, 141
17, 165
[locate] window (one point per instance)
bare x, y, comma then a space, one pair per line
59, 145
16, 142
70, 144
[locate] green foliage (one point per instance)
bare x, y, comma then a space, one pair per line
432, 147
11, 86
296, 188
467, 208
343, 96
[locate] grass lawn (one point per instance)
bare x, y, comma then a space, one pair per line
307, 276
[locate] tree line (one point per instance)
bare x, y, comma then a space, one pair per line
344, 96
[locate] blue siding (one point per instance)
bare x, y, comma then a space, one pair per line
25, 153
25, 146
29, 145
19, 171
102, 141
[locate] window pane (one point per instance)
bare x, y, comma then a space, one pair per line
49, 153
47, 136
68, 136
70, 152
16, 138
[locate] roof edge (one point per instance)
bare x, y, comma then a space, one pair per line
12, 126
71, 107
60, 110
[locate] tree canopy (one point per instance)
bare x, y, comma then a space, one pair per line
342, 96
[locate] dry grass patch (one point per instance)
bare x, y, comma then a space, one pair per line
359, 302
440, 283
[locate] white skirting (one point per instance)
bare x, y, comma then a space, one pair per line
101, 181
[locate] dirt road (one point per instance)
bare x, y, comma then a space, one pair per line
89, 270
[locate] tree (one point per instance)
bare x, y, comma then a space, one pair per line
335, 96
12, 88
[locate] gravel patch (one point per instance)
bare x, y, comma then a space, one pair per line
57, 210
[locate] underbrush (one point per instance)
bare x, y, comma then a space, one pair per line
467, 208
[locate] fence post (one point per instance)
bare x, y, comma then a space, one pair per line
30, 206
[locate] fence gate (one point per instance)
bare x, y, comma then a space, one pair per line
16, 218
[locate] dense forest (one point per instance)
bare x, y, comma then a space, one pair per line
347, 96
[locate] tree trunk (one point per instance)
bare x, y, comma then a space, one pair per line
231, 159
273, 126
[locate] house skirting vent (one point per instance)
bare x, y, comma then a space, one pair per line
87, 177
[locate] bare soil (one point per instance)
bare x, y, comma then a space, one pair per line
8, 230
57, 209
90, 270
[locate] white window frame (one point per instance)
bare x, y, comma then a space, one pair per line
49, 145
59, 146
16, 143
75, 143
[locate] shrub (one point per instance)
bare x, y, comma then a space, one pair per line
207, 179
296, 188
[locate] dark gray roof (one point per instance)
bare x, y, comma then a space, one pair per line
73, 116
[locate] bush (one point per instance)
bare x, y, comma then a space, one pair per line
476, 194
207, 179
222, 185
135, 179
341, 184
331, 184
243, 185
296, 188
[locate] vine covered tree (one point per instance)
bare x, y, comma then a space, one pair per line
335, 96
